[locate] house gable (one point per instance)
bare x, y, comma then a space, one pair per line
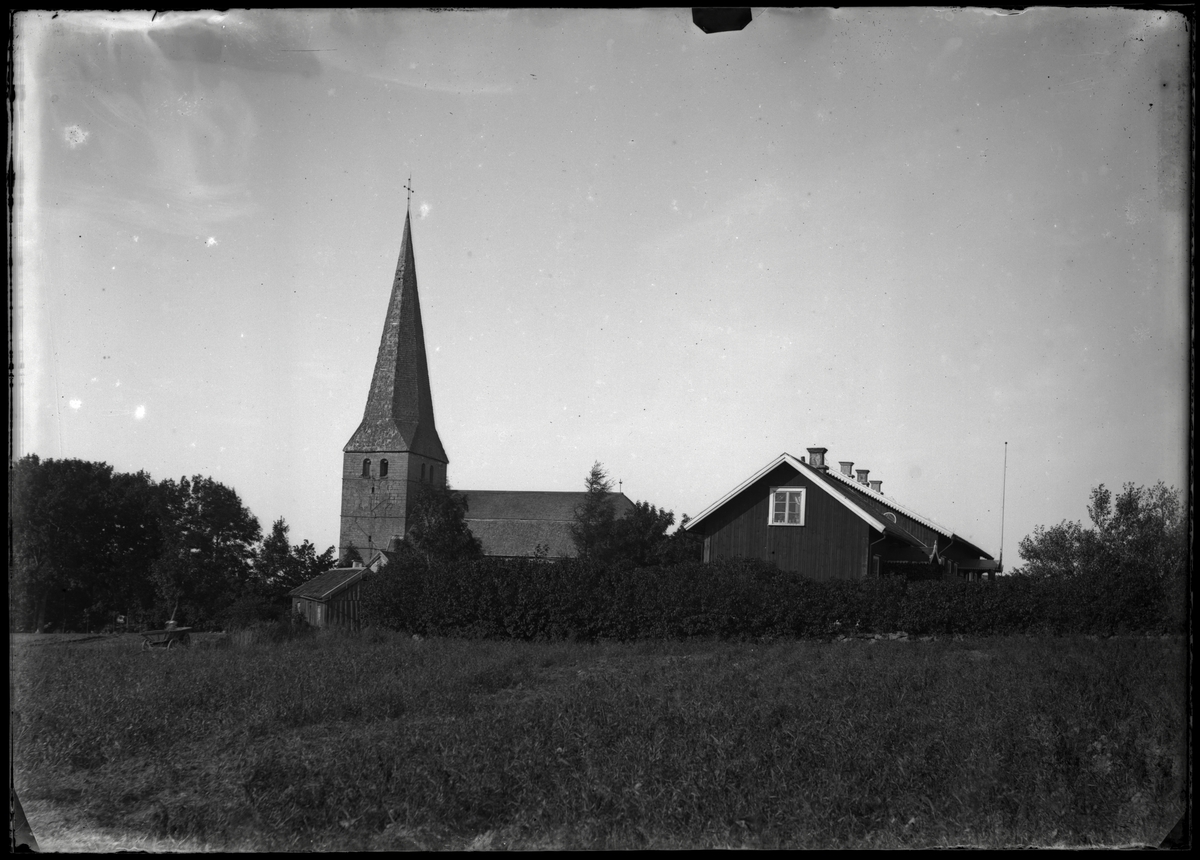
831, 544
797, 468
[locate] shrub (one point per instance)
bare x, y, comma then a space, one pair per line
286, 629
252, 609
532, 599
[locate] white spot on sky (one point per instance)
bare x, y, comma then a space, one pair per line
139, 413
135, 238
210, 241
423, 210
75, 136
75, 403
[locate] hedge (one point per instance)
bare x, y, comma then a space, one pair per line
530, 599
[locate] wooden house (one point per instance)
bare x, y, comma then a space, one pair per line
824, 524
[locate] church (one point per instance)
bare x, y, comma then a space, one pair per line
396, 451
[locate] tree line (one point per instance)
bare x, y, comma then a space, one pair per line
92, 548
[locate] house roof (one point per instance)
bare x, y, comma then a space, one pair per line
516, 522
870, 505
876, 498
328, 583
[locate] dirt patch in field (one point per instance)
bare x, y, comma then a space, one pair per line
132, 641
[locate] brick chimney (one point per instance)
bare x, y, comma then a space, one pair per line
816, 458
847, 467
862, 475
877, 486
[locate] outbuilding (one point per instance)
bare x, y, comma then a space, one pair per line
331, 599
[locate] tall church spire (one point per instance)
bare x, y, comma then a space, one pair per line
396, 450
399, 411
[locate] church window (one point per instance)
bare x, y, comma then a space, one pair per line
422, 473
383, 468
366, 468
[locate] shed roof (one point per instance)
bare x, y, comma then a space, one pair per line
328, 583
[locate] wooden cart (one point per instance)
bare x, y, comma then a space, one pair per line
172, 637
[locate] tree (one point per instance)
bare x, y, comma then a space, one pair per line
83, 540
437, 527
638, 537
1060, 551
273, 560
279, 566
592, 531
1139, 532
681, 546
209, 542
132, 542
59, 527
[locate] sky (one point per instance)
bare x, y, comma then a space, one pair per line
949, 246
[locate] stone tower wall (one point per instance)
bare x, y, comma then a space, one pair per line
375, 509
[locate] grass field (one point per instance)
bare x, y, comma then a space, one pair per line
379, 741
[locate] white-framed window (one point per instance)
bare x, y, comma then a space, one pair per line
787, 506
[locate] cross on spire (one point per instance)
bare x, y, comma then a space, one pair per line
408, 188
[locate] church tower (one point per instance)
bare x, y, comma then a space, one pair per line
395, 450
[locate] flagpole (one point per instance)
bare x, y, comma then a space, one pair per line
1003, 498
